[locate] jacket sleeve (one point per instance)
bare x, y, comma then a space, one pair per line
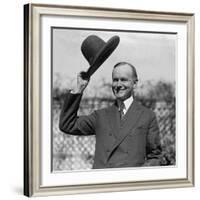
153, 147
70, 123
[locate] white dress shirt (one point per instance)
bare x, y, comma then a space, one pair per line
127, 104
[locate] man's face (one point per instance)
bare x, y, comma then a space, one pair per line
123, 82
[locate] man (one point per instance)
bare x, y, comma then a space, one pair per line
127, 133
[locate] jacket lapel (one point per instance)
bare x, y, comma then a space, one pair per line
129, 121
114, 119
130, 118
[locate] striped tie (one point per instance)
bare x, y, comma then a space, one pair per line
121, 110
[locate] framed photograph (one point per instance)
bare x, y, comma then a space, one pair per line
108, 100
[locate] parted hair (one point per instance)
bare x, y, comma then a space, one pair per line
132, 67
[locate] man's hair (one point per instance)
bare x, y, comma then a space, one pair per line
132, 67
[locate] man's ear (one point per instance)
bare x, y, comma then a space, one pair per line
135, 85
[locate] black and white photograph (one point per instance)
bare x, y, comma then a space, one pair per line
113, 99
108, 100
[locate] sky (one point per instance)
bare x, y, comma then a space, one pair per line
153, 54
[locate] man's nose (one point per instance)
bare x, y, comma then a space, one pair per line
119, 83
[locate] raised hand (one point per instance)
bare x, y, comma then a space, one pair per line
82, 82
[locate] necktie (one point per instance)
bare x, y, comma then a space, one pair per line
121, 110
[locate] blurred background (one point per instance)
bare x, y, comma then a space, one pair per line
153, 55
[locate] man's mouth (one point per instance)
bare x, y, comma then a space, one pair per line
120, 90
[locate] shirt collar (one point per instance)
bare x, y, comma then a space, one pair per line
127, 103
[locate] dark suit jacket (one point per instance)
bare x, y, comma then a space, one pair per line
129, 143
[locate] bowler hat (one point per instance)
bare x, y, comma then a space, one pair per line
96, 51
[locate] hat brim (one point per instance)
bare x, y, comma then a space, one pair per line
103, 54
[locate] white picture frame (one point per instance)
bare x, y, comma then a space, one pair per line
39, 179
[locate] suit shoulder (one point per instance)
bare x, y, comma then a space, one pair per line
147, 111
103, 110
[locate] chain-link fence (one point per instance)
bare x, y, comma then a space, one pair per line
77, 152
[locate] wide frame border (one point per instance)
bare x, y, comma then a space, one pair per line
32, 91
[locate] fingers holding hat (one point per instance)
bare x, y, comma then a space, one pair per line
84, 75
